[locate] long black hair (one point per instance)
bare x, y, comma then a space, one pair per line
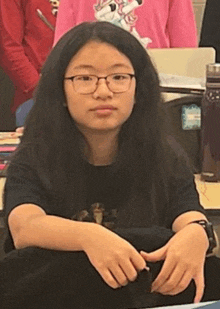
53, 141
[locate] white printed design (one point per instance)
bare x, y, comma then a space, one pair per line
55, 6
120, 13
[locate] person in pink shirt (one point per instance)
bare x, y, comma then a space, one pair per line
156, 23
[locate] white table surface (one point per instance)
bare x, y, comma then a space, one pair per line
190, 306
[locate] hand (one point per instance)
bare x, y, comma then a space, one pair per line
20, 130
184, 258
116, 260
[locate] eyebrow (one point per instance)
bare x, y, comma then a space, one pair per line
88, 66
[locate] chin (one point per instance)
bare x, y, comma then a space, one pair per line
106, 129
105, 126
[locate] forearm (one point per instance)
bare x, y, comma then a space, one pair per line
52, 232
181, 221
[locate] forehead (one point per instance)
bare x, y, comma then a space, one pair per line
98, 56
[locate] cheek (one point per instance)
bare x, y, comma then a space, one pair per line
74, 110
130, 99
128, 107
73, 103
74, 107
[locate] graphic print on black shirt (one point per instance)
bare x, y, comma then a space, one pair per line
99, 215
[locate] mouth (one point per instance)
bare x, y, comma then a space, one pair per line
104, 110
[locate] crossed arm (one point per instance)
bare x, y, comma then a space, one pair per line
116, 260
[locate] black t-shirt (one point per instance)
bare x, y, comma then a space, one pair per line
109, 196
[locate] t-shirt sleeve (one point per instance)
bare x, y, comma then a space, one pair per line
183, 195
185, 198
23, 186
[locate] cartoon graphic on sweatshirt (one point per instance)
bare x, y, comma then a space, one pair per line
55, 5
120, 13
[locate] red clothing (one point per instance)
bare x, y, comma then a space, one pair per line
25, 43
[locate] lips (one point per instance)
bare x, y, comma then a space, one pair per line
103, 110
103, 107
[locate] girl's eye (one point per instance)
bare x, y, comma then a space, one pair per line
84, 78
119, 77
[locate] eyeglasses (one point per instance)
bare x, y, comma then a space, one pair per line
87, 84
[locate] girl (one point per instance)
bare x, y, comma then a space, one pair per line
95, 186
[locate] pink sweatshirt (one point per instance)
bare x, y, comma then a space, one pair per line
157, 23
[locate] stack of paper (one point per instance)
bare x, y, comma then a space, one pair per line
181, 84
8, 144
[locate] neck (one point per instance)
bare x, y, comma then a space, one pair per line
101, 147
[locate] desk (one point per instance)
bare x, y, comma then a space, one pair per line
212, 304
209, 195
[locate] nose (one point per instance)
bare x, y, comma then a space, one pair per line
102, 91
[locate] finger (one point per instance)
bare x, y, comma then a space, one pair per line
109, 279
155, 256
129, 269
138, 261
200, 286
164, 274
119, 275
19, 130
181, 286
173, 281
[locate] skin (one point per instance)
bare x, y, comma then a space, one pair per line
100, 128
118, 262
183, 256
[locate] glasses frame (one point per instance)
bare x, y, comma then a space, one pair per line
98, 78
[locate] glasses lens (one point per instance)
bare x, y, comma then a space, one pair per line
119, 82
85, 83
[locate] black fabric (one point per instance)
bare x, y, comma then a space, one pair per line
38, 278
210, 32
108, 186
